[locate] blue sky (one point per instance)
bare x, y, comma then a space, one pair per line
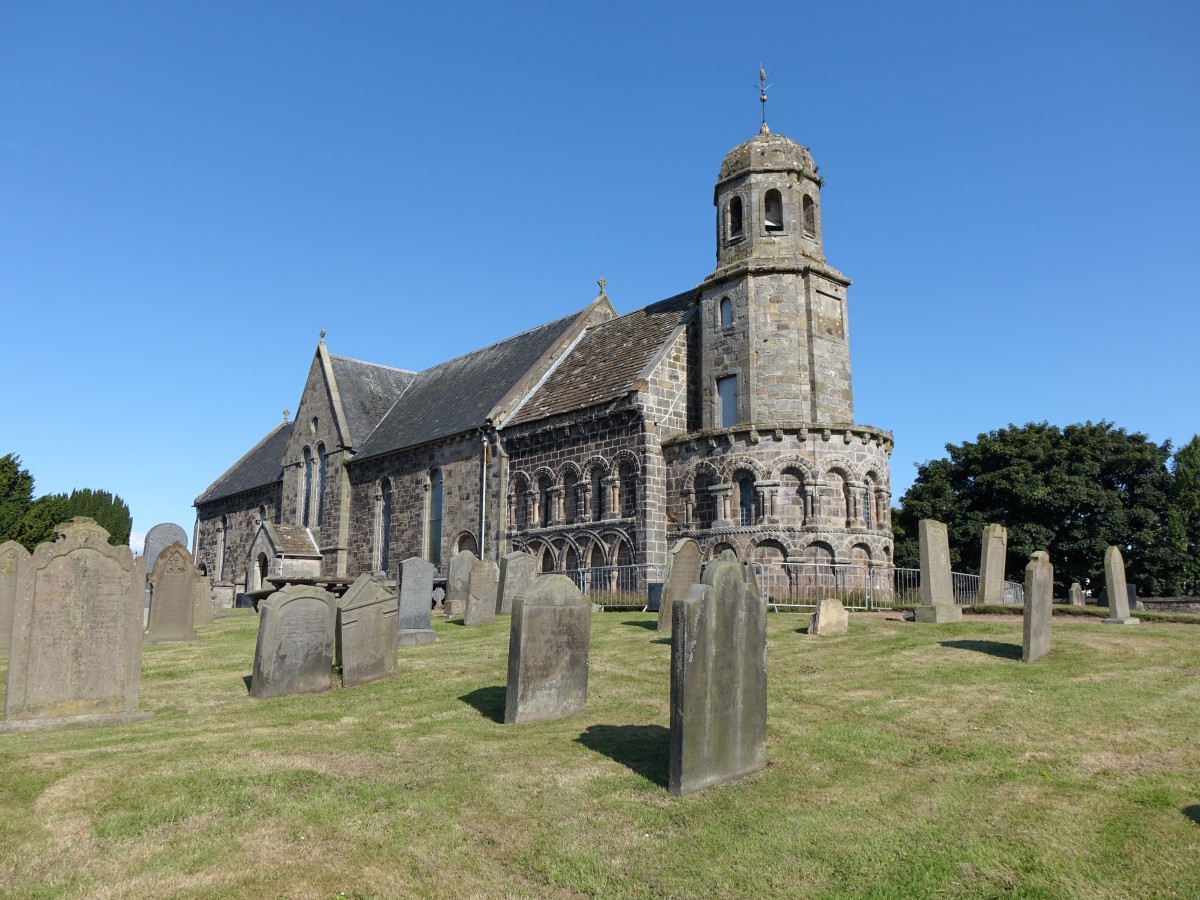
189, 193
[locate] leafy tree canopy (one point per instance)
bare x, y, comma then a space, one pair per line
1071, 491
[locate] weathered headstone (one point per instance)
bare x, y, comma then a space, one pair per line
201, 600
548, 643
937, 594
991, 565
158, 539
683, 570
416, 589
1039, 605
718, 681
439, 599
1114, 583
481, 593
13, 557
456, 582
1075, 594
172, 596
76, 650
517, 571
830, 618
294, 653
367, 633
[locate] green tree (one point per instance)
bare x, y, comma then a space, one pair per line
16, 496
1186, 467
109, 511
1071, 491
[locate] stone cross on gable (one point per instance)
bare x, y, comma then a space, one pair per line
603, 284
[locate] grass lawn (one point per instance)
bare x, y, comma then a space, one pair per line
905, 761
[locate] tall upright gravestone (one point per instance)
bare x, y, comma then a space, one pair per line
294, 653
13, 557
937, 593
683, 571
367, 633
172, 596
1039, 606
416, 597
1075, 594
76, 653
1118, 594
548, 642
517, 571
457, 580
201, 601
991, 565
481, 593
718, 681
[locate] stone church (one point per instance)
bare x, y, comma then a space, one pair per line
724, 413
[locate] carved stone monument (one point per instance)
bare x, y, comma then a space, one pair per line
937, 593
548, 642
416, 593
456, 582
683, 571
294, 653
830, 618
76, 650
1039, 606
517, 571
172, 596
991, 565
481, 593
367, 632
718, 681
1075, 594
1114, 584
13, 557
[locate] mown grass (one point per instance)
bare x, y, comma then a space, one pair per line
905, 760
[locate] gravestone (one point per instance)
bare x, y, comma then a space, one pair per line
416, 590
439, 599
294, 653
991, 565
718, 681
13, 557
1118, 593
683, 570
457, 580
548, 642
937, 594
481, 597
158, 539
1075, 594
517, 571
367, 632
654, 593
1039, 605
172, 596
76, 651
830, 618
202, 613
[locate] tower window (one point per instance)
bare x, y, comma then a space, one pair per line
735, 217
726, 311
727, 401
810, 216
773, 210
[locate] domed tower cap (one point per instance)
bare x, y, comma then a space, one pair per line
766, 152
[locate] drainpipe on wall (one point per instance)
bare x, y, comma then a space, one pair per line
483, 461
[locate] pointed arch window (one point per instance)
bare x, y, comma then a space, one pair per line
322, 463
433, 530
384, 538
306, 488
810, 216
735, 217
773, 210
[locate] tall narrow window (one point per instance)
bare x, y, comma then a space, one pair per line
746, 499
385, 523
773, 210
433, 548
306, 488
628, 485
570, 487
726, 311
262, 514
727, 401
545, 502
221, 536
597, 495
321, 464
735, 217
810, 216
868, 498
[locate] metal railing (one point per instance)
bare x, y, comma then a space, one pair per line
796, 585
616, 587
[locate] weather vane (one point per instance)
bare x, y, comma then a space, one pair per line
762, 96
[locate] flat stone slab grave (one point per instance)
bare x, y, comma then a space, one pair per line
548, 642
294, 653
416, 602
367, 634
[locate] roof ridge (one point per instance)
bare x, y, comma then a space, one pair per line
376, 365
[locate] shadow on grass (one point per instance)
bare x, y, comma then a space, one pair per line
249, 680
643, 748
1193, 813
489, 701
650, 625
661, 641
991, 648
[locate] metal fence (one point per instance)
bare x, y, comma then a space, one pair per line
796, 585
616, 587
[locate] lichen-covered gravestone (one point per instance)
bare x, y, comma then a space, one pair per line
367, 632
294, 653
830, 618
517, 571
76, 654
937, 594
481, 593
1039, 600
991, 565
1114, 583
456, 582
683, 571
158, 539
548, 643
718, 681
1075, 594
172, 596
416, 592
13, 557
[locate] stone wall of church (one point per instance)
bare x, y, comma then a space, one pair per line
242, 514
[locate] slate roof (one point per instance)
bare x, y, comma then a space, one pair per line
606, 361
368, 392
261, 466
292, 540
458, 395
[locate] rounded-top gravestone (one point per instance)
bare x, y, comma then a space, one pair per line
159, 538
